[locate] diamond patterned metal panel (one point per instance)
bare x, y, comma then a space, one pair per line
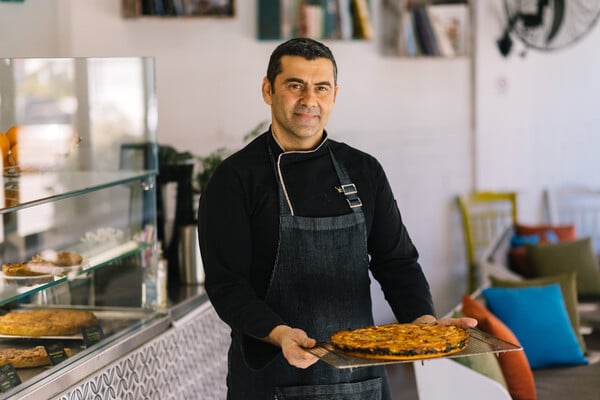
186, 362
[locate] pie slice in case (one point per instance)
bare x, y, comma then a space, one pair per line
27, 358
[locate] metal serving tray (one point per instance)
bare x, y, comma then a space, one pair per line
480, 343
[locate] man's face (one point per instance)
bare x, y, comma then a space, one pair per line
301, 100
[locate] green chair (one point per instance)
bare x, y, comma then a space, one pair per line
485, 216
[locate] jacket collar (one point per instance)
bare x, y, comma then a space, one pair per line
278, 149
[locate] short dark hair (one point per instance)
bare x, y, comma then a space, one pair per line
304, 47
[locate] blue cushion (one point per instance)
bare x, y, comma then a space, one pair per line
521, 240
551, 237
538, 317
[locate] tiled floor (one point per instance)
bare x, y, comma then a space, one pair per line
402, 381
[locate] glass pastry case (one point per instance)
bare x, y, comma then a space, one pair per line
77, 213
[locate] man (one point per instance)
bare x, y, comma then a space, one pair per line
289, 227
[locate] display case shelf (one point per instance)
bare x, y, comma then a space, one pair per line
94, 260
33, 189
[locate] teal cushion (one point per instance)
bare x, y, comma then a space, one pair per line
538, 317
565, 257
568, 288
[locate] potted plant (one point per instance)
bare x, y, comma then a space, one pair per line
206, 165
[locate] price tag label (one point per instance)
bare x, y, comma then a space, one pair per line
8, 377
56, 353
92, 335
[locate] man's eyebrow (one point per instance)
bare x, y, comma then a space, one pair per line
302, 81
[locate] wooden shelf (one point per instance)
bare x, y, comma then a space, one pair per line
177, 8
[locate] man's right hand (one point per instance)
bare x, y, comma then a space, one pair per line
292, 342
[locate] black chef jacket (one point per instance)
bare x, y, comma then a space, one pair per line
238, 228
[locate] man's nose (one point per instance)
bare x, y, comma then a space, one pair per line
308, 98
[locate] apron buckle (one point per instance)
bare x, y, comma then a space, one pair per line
355, 202
349, 189
351, 197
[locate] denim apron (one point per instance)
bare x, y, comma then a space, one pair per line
320, 284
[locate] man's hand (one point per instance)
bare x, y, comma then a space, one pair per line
464, 322
292, 342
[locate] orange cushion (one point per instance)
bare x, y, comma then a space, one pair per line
514, 364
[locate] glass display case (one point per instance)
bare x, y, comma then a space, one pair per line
78, 205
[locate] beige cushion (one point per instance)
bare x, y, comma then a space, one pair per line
486, 364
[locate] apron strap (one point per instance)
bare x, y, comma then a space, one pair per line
348, 187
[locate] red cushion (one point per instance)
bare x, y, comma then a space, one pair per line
514, 364
519, 262
565, 233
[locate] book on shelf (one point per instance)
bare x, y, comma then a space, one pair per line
424, 32
453, 20
440, 36
269, 26
131, 8
409, 46
345, 18
290, 14
148, 7
179, 7
331, 19
169, 7
362, 20
311, 20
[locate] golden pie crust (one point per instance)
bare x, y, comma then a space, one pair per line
401, 341
27, 358
46, 322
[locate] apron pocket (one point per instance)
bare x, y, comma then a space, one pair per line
365, 390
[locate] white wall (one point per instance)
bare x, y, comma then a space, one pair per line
414, 115
537, 115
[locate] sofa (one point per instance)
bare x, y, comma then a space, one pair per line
509, 303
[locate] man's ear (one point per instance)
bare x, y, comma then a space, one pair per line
267, 91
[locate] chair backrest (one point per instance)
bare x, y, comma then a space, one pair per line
576, 205
485, 216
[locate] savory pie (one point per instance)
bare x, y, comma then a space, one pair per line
27, 358
46, 322
401, 341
